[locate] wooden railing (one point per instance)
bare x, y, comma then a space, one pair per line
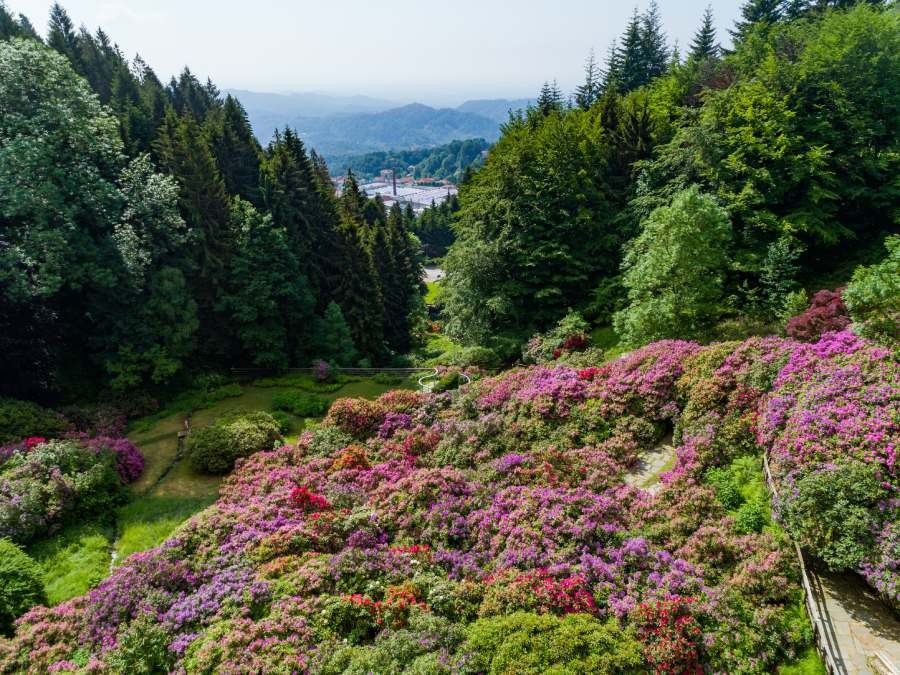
826, 639
254, 373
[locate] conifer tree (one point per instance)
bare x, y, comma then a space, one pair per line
236, 149
549, 99
588, 93
332, 340
612, 73
757, 12
356, 288
631, 67
61, 35
704, 45
655, 55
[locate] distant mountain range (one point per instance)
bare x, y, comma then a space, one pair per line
341, 125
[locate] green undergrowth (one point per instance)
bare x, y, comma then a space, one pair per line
435, 292
147, 521
74, 560
808, 663
741, 488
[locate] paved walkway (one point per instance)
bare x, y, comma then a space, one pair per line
857, 625
651, 463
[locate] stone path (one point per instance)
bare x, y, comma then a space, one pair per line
651, 463
864, 635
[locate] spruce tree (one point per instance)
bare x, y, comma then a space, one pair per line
754, 13
588, 93
236, 149
61, 35
704, 45
549, 99
333, 341
655, 54
631, 68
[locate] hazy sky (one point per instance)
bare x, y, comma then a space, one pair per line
434, 52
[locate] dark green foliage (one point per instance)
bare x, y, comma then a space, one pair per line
214, 448
143, 649
434, 228
267, 297
21, 584
873, 297
757, 14
447, 161
236, 149
21, 419
704, 45
589, 91
333, 340
300, 404
831, 514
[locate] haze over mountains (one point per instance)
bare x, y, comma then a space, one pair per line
336, 125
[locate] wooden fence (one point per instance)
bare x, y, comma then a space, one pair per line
826, 639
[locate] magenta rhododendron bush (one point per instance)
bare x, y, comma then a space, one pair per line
420, 533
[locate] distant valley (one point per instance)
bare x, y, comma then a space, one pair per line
335, 125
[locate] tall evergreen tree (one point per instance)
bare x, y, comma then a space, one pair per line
757, 12
61, 35
655, 53
704, 45
357, 289
631, 66
587, 94
236, 149
549, 99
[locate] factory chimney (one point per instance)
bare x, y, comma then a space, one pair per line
394, 177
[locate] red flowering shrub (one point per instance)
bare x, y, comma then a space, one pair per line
32, 441
670, 635
576, 342
351, 457
305, 500
537, 591
355, 416
826, 313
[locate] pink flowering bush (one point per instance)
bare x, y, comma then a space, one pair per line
497, 529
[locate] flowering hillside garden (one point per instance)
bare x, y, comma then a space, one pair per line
495, 531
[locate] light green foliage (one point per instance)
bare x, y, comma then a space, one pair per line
832, 513
531, 643
674, 271
143, 649
21, 585
147, 521
873, 296
72, 561
213, 449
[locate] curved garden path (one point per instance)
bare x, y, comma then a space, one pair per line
651, 463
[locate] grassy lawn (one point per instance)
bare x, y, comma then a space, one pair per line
147, 521
435, 290
74, 560
809, 663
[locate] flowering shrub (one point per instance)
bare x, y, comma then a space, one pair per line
570, 334
827, 312
495, 531
44, 485
322, 371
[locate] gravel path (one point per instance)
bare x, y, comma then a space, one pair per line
651, 463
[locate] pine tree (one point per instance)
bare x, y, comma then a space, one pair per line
655, 54
236, 149
549, 99
333, 341
612, 73
757, 12
704, 45
188, 95
631, 68
588, 93
61, 35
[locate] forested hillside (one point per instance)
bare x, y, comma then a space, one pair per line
146, 234
681, 196
447, 161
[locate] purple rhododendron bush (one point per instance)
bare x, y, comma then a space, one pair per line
46, 484
496, 531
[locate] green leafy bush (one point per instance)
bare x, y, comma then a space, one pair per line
300, 404
213, 449
20, 419
142, 649
285, 423
447, 381
873, 297
833, 511
481, 357
21, 585
532, 643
